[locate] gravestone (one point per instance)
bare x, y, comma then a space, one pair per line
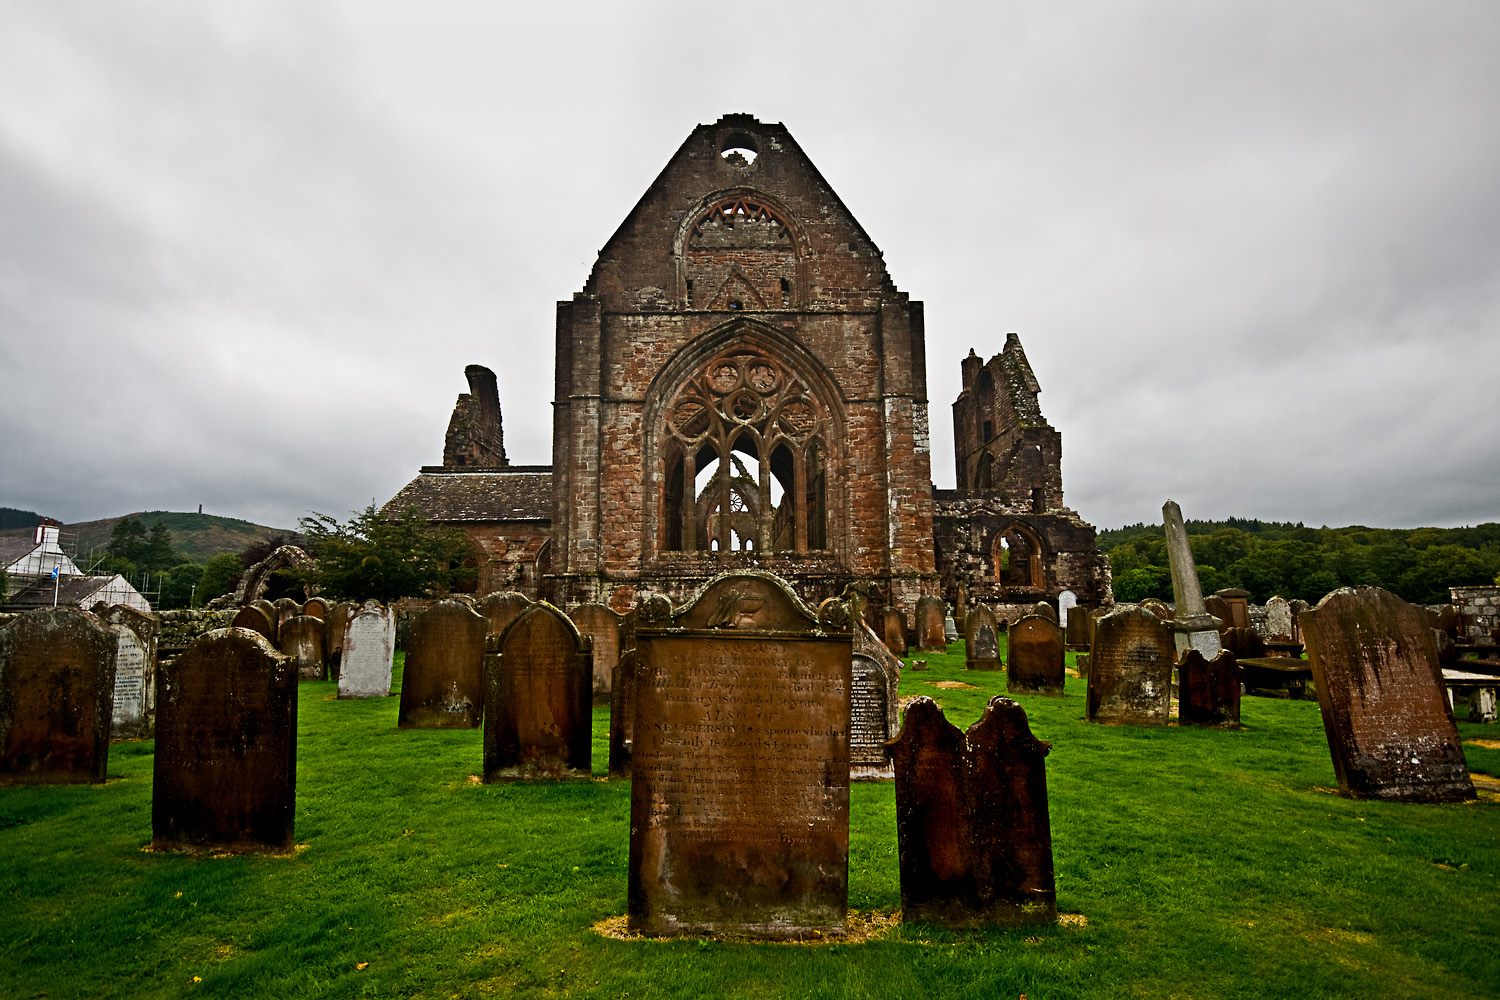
538, 696
301, 638
134, 712
622, 715
1192, 625
272, 615
225, 775
1220, 609
1278, 620
739, 798
315, 607
1130, 668
254, 618
369, 653
1045, 610
973, 831
502, 608
286, 610
895, 631
1158, 608
1035, 661
603, 624
1066, 601
874, 711
1244, 643
442, 686
1298, 605
950, 629
1238, 602
982, 639
335, 626
961, 600
930, 614
1080, 628
1208, 692
1385, 713
57, 683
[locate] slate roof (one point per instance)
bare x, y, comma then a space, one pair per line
71, 591
14, 549
511, 493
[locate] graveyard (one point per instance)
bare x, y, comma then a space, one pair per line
1189, 862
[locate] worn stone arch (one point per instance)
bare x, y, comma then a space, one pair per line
1032, 548
768, 239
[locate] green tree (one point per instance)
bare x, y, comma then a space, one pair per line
128, 539
385, 556
218, 577
178, 586
1439, 567
1138, 584
158, 553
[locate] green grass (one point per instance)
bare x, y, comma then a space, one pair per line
1207, 864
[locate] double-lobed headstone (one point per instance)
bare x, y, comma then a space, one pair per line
57, 682
973, 831
134, 712
538, 722
369, 652
1208, 691
1130, 668
225, 773
982, 639
739, 801
603, 625
874, 706
302, 638
1036, 661
929, 626
1390, 732
442, 685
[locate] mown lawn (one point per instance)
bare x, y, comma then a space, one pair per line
1204, 864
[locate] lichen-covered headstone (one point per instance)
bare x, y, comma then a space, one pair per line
1278, 620
930, 614
286, 610
1389, 728
1036, 661
225, 775
501, 608
1208, 691
1046, 610
369, 652
539, 688
134, 714
602, 624
972, 826
57, 683
1130, 668
739, 801
982, 639
302, 638
255, 618
442, 686
874, 707
315, 607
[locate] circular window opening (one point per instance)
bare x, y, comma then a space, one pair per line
739, 145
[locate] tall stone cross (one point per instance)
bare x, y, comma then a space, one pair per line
1192, 626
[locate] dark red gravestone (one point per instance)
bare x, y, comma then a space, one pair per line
335, 629
442, 686
226, 747
1375, 665
982, 639
315, 607
1034, 650
302, 638
622, 690
57, 685
603, 624
254, 618
894, 631
1130, 669
539, 691
739, 799
1220, 609
1208, 692
1244, 643
501, 608
930, 614
972, 824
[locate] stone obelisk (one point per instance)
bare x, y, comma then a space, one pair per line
1192, 626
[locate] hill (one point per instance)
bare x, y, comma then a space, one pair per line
198, 537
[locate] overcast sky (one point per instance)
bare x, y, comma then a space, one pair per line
1252, 250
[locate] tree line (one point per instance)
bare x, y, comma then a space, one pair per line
1269, 558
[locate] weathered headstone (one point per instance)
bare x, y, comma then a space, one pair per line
1244, 643
739, 801
1046, 610
1130, 668
603, 624
1389, 728
335, 626
442, 686
1238, 602
1066, 601
622, 715
301, 638
950, 629
226, 747
895, 631
502, 608
286, 610
874, 707
254, 618
538, 692
272, 615
972, 826
1159, 608
961, 600
982, 639
1298, 605
1208, 692
930, 614
1220, 609
57, 683
1278, 620
134, 713
1080, 627
1035, 660
369, 653
1192, 626
315, 607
